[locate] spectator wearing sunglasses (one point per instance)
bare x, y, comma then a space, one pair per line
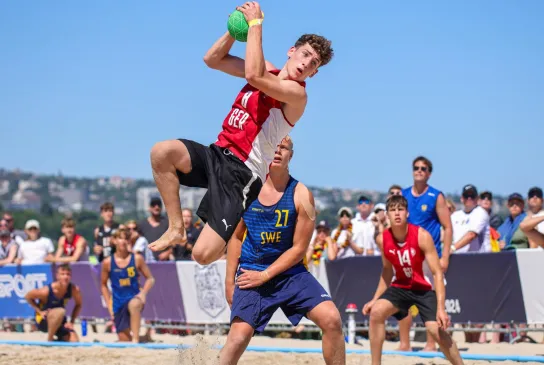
154, 226
8, 246
511, 237
428, 209
18, 235
486, 202
394, 190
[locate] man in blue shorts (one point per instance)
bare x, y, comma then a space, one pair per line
127, 298
267, 271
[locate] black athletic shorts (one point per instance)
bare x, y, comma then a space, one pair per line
403, 299
232, 186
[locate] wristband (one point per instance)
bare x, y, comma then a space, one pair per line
453, 249
265, 272
253, 22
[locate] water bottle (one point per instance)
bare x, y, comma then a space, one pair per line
84, 327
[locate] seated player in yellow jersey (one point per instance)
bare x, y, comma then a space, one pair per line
123, 269
49, 302
267, 272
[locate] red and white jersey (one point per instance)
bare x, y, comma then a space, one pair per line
253, 129
407, 260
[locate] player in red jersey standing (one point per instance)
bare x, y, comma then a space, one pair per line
234, 168
405, 249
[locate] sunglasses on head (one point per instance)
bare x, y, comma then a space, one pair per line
422, 168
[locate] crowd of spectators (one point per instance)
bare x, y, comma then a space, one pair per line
467, 226
28, 246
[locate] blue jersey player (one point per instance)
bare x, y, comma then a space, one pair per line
123, 269
265, 267
427, 208
49, 303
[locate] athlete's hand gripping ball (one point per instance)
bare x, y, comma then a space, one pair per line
251, 11
241, 19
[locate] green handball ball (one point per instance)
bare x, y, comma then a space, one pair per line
237, 26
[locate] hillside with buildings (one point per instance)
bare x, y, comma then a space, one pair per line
22, 190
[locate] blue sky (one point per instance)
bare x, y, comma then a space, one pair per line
89, 87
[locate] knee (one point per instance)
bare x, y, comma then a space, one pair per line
202, 256
437, 334
135, 306
378, 315
56, 313
238, 339
161, 151
331, 322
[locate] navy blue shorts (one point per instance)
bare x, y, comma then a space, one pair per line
121, 318
296, 295
61, 332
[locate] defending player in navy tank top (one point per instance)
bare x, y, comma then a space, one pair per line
124, 283
422, 212
270, 231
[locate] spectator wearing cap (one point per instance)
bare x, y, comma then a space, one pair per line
36, 249
8, 246
154, 227
470, 224
317, 249
511, 237
343, 245
363, 228
381, 223
533, 224
486, 202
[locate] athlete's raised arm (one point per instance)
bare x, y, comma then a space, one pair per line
218, 58
284, 90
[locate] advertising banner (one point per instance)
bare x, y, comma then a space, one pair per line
15, 282
480, 287
529, 262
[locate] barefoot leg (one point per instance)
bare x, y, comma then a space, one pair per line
167, 158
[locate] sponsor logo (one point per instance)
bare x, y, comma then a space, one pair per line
453, 306
209, 290
20, 284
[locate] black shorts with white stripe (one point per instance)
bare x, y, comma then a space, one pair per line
232, 186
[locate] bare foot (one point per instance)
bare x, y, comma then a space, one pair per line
404, 348
429, 349
169, 238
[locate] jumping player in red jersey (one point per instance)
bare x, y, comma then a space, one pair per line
405, 249
234, 168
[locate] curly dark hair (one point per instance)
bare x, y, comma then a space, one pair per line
320, 44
